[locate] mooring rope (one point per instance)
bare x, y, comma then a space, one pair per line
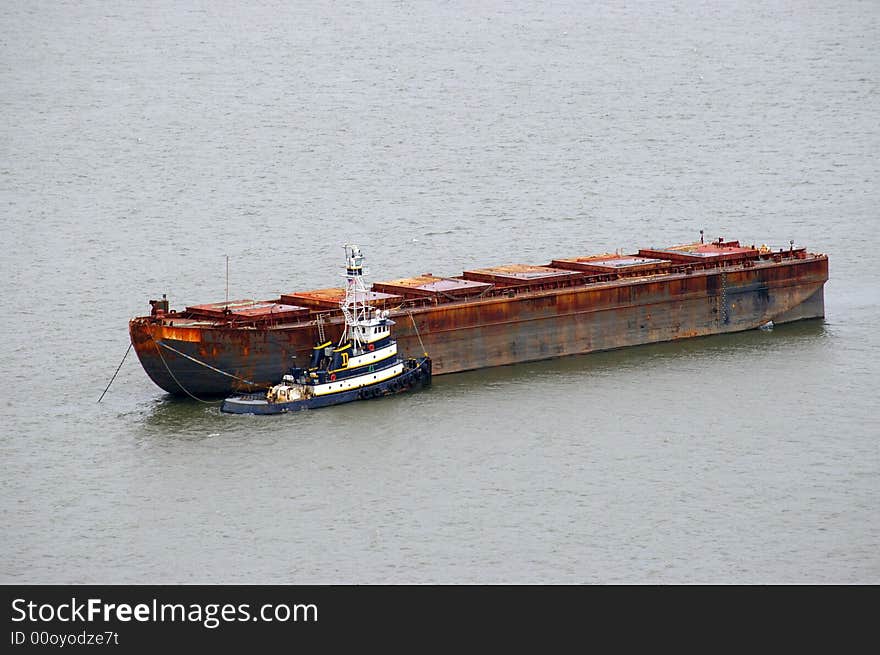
417, 333
128, 350
174, 377
216, 370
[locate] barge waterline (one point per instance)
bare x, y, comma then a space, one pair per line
494, 316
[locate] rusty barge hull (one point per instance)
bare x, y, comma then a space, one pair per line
509, 317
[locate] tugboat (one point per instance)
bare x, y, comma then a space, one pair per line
364, 364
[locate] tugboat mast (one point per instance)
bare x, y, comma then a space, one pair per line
354, 305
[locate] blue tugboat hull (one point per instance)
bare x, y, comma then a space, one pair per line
415, 376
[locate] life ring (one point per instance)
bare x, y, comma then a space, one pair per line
333, 377
371, 347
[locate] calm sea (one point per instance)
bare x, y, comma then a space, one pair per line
140, 144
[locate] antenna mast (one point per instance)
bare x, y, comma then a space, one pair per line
354, 305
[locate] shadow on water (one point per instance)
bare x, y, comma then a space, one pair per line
179, 417
183, 417
780, 339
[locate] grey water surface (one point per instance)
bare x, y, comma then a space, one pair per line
141, 143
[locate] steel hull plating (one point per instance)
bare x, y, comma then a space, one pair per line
518, 327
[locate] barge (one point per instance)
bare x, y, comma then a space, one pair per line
492, 316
